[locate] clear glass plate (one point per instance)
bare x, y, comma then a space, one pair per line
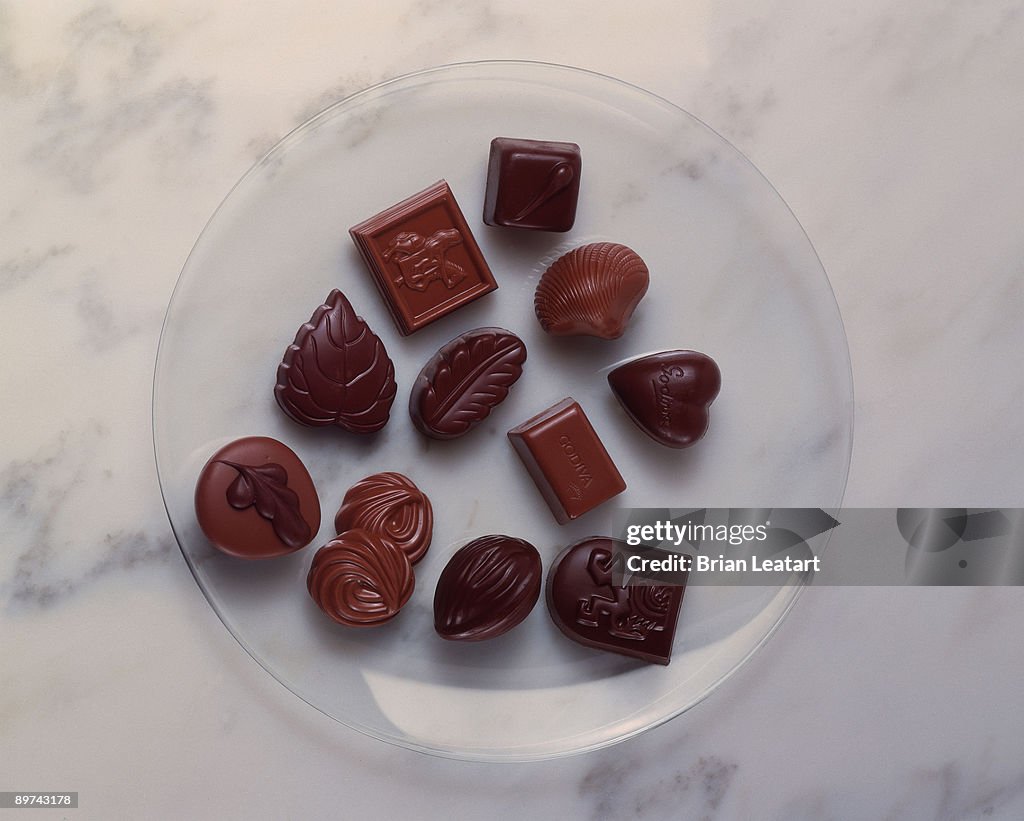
732, 274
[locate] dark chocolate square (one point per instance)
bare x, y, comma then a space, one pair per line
532, 184
423, 257
566, 460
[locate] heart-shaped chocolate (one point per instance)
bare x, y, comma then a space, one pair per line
668, 394
636, 620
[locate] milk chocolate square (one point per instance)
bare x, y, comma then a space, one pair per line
423, 257
566, 460
532, 184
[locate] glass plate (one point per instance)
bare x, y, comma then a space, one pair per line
732, 274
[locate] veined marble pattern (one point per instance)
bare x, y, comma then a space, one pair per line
892, 130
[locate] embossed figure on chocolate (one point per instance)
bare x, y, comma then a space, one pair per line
419, 241
633, 612
422, 261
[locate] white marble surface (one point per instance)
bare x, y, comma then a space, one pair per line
893, 132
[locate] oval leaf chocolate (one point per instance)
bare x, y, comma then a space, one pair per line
589, 607
337, 372
591, 291
392, 507
360, 580
255, 499
668, 394
463, 382
487, 588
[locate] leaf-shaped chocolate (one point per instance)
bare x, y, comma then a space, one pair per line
337, 372
266, 487
465, 380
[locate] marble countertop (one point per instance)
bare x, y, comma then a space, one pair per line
892, 130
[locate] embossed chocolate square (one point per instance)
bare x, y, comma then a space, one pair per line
566, 460
532, 184
423, 257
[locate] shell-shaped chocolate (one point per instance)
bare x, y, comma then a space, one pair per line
390, 506
591, 291
487, 588
359, 579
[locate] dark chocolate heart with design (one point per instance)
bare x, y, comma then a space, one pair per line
636, 620
668, 394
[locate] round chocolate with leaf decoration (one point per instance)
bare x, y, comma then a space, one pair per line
255, 500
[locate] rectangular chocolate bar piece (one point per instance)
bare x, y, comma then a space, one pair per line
423, 257
566, 460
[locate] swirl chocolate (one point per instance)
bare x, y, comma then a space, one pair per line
487, 588
390, 506
360, 580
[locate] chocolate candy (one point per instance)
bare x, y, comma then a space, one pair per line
464, 381
591, 291
359, 579
668, 394
486, 589
390, 506
255, 500
337, 372
423, 258
532, 184
588, 607
566, 460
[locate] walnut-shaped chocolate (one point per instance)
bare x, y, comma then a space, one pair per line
488, 587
